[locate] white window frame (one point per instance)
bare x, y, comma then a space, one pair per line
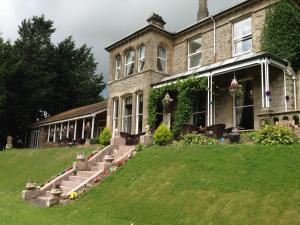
194, 54
162, 59
126, 116
115, 113
141, 58
129, 63
236, 40
118, 67
138, 113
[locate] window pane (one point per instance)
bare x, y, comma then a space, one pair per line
243, 46
140, 124
140, 104
162, 53
141, 64
130, 57
243, 28
127, 124
142, 52
195, 45
161, 65
195, 61
128, 106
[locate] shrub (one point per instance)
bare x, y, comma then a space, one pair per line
140, 147
296, 119
105, 137
249, 136
194, 139
95, 141
162, 135
274, 135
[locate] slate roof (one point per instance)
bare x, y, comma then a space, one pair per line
73, 113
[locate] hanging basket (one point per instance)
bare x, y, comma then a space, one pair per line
236, 91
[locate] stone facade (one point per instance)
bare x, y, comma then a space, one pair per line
177, 61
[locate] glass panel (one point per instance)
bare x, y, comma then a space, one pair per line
195, 61
199, 119
128, 106
161, 65
141, 64
162, 53
127, 124
129, 69
140, 104
243, 46
140, 124
195, 45
130, 57
243, 28
142, 52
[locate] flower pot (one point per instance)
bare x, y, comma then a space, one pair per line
56, 192
31, 186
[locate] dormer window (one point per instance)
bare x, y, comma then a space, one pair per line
129, 63
242, 37
141, 60
117, 67
194, 53
161, 59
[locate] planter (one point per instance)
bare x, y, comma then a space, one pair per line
31, 186
108, 158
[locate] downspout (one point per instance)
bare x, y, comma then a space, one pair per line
212, 18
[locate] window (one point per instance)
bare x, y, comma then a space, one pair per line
195, 53
127, 115
244, 108
242, 37
198, 115
129, 63
141, 60
117, 67
115, 115
161, 59
139, 113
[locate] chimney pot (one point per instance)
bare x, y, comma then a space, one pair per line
157, 20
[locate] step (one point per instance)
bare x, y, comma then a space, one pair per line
87, 174
98, 167
77, 179
65, 189
44, 201
71, 184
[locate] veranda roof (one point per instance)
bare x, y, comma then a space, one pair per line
225, 66
74, 113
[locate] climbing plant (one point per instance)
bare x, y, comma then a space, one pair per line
281, 33
185, 90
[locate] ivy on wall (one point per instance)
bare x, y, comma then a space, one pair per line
185, 90
281, 34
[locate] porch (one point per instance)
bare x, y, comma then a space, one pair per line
268, 87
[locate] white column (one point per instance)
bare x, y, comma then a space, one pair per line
295, 92
54, 135
263, 93
211, 100
75, 130
68, 129
83, 124
48, 138
208, 103
93, 127
61, 130
267, 84
285, 91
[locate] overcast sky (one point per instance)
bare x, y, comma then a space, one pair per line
99, 23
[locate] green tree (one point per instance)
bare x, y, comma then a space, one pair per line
282, 32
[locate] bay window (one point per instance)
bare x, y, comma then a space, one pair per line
141, 58
127, 114
129, 63
117, 67
242, 37
161, 59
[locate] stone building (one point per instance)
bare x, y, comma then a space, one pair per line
225, 48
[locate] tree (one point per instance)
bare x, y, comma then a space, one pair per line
282, 32
42, 78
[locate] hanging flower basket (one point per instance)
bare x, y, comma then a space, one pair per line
268, 93
237, 91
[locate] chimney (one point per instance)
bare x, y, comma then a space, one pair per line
157, 20
203, 10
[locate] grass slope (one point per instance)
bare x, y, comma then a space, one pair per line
249, 185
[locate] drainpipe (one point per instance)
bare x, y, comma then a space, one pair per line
212, 18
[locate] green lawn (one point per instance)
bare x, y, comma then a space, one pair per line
223, 185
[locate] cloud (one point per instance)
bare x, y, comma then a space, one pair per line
99, 23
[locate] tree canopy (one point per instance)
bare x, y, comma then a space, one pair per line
39, 78
282, 32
